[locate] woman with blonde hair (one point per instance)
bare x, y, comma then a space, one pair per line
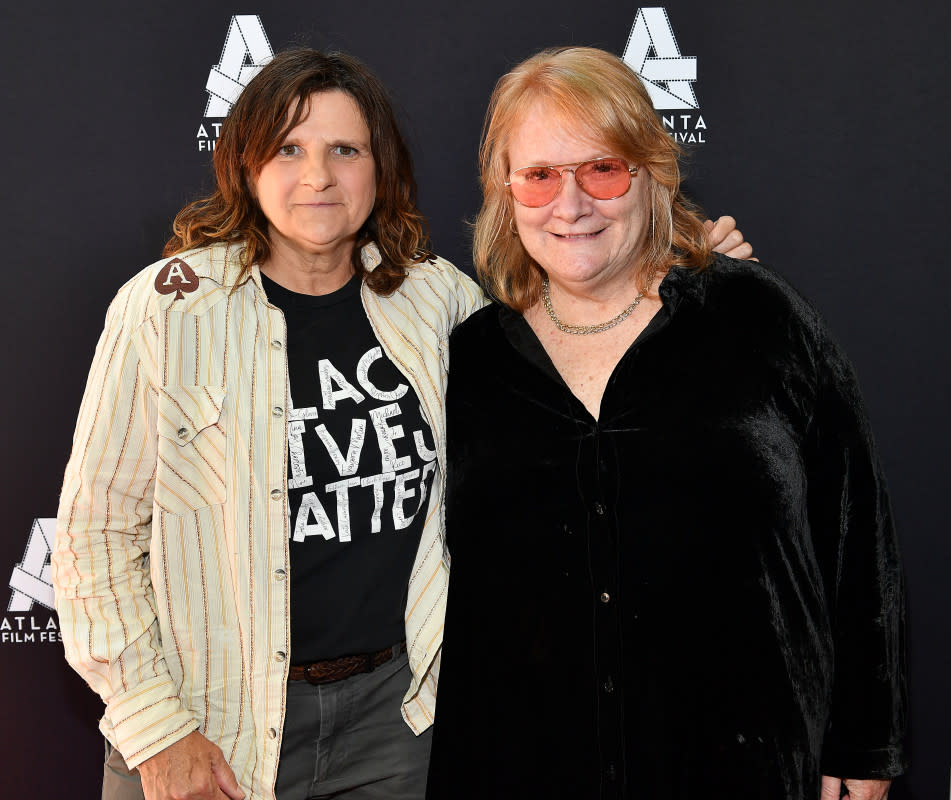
674, 569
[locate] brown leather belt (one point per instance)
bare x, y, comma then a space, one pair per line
336, 669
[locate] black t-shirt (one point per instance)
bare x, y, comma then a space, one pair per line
361, 463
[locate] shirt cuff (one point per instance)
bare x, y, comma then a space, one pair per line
864, 764
145, 720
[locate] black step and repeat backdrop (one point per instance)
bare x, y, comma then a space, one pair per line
821, 126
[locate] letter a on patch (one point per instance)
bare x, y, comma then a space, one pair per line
176, 276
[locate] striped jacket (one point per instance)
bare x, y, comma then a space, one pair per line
171, 557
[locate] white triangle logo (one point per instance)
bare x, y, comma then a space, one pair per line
31, 581
246, 50
652, 52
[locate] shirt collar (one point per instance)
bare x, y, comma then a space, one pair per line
687, 284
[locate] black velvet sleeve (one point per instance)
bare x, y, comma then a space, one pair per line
854, 536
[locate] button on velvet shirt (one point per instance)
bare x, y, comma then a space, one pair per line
697, 594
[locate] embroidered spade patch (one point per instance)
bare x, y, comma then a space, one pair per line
176, 276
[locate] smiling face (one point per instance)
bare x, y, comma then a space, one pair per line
578, 240
319, 188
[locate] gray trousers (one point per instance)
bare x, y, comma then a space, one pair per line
348, 740
341, 740
118, 781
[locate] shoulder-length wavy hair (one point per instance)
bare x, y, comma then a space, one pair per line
254, 131
597, 93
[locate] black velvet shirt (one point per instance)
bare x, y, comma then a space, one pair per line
696, 595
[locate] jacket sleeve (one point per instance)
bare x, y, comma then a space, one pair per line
471, 297
100, 561
460, 295
855, 542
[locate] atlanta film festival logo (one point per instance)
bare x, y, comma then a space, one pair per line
653, 53
29, 618
245, 51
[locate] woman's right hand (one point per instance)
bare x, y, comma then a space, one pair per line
190, 769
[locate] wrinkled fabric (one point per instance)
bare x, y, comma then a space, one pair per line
698, 594
171, 553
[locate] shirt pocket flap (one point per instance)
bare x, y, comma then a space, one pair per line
192, 449
185, 411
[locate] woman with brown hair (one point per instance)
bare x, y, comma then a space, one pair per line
249, 562
674, 572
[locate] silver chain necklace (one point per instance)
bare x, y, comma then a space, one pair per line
583, 330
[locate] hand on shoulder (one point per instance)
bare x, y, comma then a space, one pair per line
726, 238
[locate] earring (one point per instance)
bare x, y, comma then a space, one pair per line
512, 227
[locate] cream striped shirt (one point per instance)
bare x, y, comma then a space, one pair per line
171, 556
